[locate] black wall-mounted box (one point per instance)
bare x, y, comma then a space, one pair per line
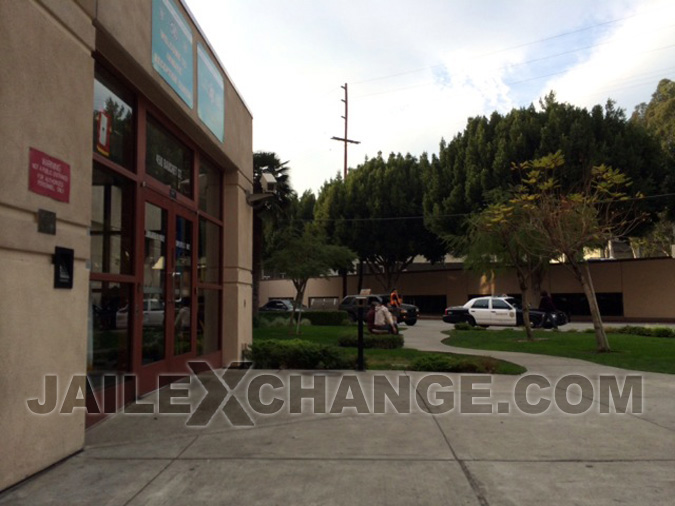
63, 261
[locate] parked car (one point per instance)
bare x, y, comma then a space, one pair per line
498, 311
407, 313
153, 314
279, 305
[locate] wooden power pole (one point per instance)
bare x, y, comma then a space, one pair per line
345, 139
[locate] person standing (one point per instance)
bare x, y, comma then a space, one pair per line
546, 305
395, 300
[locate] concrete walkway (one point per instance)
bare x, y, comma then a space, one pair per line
385, 458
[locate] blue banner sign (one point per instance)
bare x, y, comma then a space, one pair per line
172, 48
210, 94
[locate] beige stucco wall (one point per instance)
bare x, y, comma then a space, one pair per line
648, 286
653, 292
46, 94
237, 265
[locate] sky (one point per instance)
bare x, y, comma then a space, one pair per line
417, 70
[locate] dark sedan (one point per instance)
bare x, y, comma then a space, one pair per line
279, 305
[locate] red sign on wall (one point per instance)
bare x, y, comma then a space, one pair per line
49, 176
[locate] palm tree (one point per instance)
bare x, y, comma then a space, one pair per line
269, 210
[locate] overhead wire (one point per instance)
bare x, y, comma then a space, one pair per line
502, 50
454, 215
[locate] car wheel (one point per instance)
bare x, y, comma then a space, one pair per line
410, 323
471, 321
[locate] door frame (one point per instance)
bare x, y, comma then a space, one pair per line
150, 375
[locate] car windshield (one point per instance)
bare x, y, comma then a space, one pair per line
514, 302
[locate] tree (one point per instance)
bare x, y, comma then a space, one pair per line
377, 212
476, 164
568, 221
501, 237
270, 211
307, 256
658, 116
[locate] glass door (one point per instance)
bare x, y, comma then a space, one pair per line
183, 286
167, 327
156, 306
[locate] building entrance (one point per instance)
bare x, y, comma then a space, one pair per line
166, 322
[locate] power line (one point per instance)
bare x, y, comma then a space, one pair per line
503, 50
455, 215
529, 79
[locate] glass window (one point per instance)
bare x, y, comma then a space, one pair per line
167, 159
113, 120
208, 321
112, 212
480, 304
209, 190
500, 304
108, 346
209, 252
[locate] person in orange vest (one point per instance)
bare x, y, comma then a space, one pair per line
395, 300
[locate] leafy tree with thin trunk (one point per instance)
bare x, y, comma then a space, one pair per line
307, 256
501, 237
569, 221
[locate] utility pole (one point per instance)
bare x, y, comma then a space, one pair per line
345, 139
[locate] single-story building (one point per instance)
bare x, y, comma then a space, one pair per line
125, 231
627, 289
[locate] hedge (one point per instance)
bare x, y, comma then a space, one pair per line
379, 341
297, 354
441, 363
641, 331
315, 317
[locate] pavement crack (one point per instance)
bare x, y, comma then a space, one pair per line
473, 481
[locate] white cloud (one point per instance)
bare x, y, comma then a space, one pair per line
627, 64
417, 70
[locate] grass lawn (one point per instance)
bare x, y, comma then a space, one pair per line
640, 353
390, 360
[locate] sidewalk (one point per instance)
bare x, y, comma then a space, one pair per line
381, 459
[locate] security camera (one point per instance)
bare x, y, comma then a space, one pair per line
268, 183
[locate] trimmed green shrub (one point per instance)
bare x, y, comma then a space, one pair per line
378, 341
434, 363
297, 354
327, 317
441, 363
642, 331
314, 317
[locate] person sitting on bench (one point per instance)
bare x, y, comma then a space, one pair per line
379, 320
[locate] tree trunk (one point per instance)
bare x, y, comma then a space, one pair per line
526, 307
537, 278
299, 296
584, 277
